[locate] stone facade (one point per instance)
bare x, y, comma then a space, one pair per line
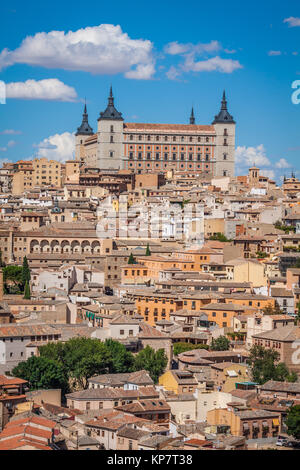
208, 149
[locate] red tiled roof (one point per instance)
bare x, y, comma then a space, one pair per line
198, 442
4, 381
19, 442
168, 127
147, 331
47, 423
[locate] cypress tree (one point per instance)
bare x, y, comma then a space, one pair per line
148, 252
27, 294
131, 259
25, 271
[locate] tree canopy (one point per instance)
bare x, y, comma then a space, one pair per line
220, 344
270, 310
220, 237
72, 363
265, 366
81, 358
16, 279
121, 359
42, 373
154, 362
293, 422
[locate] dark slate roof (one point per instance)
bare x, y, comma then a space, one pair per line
85, 128
224, 116
111, 112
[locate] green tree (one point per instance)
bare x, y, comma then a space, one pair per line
183, 347
122, 360
42, 373
151, 361
265, 366
283, 374
12, 279
220, 344
293, 422
27, 293
220, 237
297, 319
2, 264
297, 264
12, 273
261, 254
286, 228
148, 252
25, 271
131, 259
81, 358
270, 310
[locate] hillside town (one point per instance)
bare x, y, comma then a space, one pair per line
149, 298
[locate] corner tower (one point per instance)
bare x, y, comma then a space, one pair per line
83, 132
110, 137
224, 125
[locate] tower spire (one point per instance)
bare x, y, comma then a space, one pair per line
111, 112
224, 102
192, 118
85, 128
111, 97
224, 116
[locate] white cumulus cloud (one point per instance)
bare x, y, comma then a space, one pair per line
103, 49
174, 48
268, 173
195, 58
211, 65
142, 72
292, 21
282, 163
49, 89
248, 156
60, 147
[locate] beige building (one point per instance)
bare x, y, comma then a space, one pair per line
213, 226
36, 173
22, 179
247, 270
225, 375
47, 173
253, 424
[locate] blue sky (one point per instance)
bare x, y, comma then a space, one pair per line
161, 57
